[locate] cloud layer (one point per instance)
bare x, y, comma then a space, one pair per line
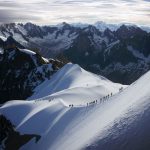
89, 11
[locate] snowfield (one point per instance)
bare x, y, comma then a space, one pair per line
86, 125
75, 86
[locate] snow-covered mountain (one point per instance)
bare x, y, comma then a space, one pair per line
104, 49
102, 26
21, 70
71, 80
77, 113
51, 40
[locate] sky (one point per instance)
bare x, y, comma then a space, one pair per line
46, 12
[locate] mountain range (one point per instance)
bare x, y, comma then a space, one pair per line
118, 52
53, 93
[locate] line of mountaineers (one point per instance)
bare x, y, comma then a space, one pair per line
103, 99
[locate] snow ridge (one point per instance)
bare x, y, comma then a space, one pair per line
79, 126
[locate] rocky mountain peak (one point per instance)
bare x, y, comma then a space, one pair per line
129, 31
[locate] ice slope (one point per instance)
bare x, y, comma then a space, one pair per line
75, 86
75, 128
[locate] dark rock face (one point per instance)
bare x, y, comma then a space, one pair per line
22, 71
121, 55
5, 128
9, 43
15, 66
10, 138
125, 32
123, 60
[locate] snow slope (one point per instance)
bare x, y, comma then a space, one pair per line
27, 51
3, 38
71, 80
75, 128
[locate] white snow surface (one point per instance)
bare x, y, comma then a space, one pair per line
3, 38
102, 26
27, 51
71, 80
64, 128
45, 59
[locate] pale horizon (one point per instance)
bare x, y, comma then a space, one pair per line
45, 12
